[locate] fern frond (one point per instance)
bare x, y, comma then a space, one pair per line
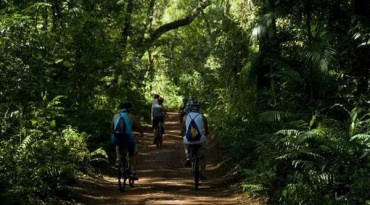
361, 137
298, 124
274, 116
288, 132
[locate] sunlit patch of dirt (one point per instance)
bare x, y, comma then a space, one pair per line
164, 179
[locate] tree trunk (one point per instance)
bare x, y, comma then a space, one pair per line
361, 68
127, 25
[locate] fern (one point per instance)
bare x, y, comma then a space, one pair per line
274, 116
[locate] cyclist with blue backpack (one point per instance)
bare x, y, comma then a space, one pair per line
123, 123
194, 129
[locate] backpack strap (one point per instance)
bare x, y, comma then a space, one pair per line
197, 126
123, 116
194, 117
118, 118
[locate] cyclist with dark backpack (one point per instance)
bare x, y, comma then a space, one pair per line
159, 113
194, 129
123, 123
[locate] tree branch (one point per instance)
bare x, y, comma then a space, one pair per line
178, 23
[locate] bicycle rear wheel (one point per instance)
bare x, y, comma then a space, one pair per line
122, 175
131, 182
158, 137
196, 171
128, 171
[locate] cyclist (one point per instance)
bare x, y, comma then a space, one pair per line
183, 110
159, 113
202, 124
155, 101
128, 140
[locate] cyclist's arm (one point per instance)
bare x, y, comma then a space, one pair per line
164, 111
112, 124
136, 125
205, 121
183, 126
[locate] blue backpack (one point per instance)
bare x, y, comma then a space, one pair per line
119, 128
193, 133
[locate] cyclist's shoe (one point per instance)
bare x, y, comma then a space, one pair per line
187, 162
202, 177
133, 176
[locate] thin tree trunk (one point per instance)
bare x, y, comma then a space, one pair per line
127, 25
361, 9
309, 42
57, 15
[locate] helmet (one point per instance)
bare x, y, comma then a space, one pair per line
126, 106
190, 100
194, 105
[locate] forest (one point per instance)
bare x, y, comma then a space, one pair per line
284, 84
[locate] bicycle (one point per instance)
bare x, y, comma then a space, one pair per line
159, 135
124, 171
195, 164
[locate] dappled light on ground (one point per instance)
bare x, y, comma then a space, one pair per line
164, 179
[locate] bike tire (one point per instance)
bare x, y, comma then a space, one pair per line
196, 173
160, 134
131, 182
158, 138
122, 175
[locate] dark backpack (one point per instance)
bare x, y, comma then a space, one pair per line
193, 133
119, 128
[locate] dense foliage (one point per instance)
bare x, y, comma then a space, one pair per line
285, 85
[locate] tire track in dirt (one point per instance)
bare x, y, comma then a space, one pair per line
163, 178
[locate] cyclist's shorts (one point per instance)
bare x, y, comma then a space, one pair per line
156, 121
202, 150
125, 142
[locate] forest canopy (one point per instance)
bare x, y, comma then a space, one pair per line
285, 85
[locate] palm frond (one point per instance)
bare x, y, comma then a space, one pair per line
287, 75
320, 54
261, 28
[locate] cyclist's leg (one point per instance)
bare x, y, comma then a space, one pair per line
187, 154
132, 149
155, 126
161, 119
116, 143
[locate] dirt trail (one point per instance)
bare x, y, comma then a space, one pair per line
163, 178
